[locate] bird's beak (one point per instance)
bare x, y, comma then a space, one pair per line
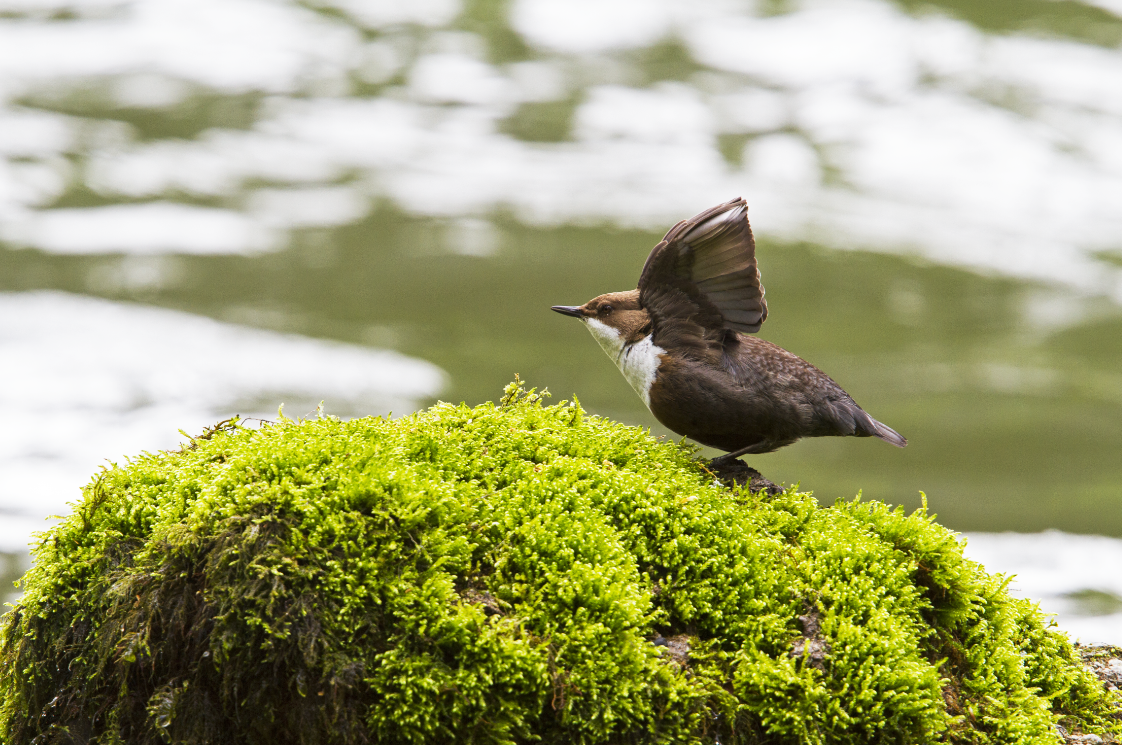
569, 310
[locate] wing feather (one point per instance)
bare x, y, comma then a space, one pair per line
708, 261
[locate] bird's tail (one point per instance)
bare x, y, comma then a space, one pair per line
886, 433
857, 422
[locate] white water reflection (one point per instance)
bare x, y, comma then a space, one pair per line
877, 129
85, 380
230, 45
151, 228
1077, 577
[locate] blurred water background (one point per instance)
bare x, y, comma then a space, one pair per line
210, 207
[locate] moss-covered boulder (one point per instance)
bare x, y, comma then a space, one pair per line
510, 573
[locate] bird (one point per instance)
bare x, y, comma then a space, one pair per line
684, 341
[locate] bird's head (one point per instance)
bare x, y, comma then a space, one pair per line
615, 318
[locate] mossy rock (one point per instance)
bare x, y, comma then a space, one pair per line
510, 573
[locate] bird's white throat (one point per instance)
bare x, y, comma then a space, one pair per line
638, 362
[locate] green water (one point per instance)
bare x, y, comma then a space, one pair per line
1013, 425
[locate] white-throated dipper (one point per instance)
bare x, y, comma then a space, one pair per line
682, 341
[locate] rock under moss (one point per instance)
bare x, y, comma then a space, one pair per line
511, 573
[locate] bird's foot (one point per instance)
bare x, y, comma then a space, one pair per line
736, 472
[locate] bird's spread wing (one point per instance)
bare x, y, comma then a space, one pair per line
703, 277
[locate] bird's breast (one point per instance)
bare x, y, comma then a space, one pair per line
637, 361
639, 364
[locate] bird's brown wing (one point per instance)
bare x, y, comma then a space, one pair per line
702, 279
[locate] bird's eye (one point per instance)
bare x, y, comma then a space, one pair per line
605, 309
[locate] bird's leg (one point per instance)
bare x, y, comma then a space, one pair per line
734, 472
727, 458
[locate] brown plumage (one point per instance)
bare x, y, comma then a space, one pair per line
682, 341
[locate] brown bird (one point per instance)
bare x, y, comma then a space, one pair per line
682, 341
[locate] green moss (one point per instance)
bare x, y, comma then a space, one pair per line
510, 573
